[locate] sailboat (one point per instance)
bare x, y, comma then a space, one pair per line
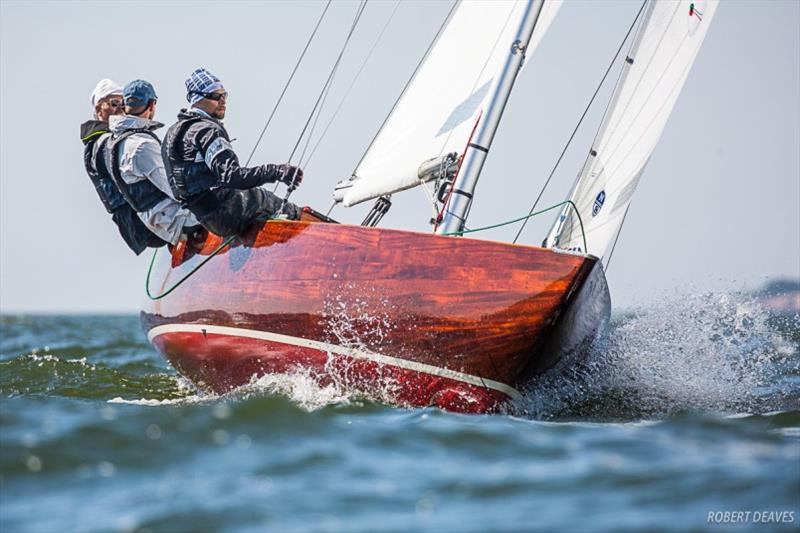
431, 319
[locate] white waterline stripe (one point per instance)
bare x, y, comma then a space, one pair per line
333, 348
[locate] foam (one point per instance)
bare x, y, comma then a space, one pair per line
707, 352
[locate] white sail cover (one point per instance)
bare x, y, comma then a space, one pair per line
662, 55
439, 109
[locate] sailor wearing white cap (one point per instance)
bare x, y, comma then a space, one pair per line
106, 99
106, 102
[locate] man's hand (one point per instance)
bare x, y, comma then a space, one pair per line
291, 176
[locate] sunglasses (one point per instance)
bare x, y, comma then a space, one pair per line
215, 96
114, 103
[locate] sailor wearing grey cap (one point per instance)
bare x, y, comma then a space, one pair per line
107, 101
204, 171
134, 160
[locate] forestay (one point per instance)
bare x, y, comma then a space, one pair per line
440, 107
661, 56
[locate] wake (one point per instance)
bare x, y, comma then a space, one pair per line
710, 353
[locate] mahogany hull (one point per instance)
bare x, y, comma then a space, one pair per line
408, 318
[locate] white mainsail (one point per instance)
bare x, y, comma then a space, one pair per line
661, 57
438, 111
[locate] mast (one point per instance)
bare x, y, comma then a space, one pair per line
463, 188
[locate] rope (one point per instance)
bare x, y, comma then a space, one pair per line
225, 243
320, 98
230, 239
580, 121
329, 84
352, 84
408, 83
325, 87
614, 246
288, 82
529, 215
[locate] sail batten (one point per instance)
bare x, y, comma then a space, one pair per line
662, 54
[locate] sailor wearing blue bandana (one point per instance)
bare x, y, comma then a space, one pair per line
204, 171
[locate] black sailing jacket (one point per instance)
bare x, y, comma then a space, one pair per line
198, 157
95, 135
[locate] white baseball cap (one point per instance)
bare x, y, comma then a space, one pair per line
105, 87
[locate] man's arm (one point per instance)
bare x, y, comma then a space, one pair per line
223, 162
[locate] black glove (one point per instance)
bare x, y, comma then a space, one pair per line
291, 176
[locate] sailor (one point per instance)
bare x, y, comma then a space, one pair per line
134, 159
205, 173
107, 101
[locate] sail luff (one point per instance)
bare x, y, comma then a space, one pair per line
604, 122
436, 113
463, 188
407, 85
656, 70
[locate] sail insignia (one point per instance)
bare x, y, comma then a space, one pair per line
598, 203
653, 75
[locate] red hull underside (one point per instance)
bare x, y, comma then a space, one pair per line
408, 318
198, 355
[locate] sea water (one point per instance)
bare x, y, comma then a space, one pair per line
686, 416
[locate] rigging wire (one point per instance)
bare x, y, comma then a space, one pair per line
614, 246
288, 82
483, 69
352, 83
580, 121
325, 87
635, 91
327, 91
408, 83
359, 13
443, 210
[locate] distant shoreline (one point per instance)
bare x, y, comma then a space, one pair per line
781, 296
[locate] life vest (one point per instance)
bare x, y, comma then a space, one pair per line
94, 161
142, 195
136, 235
188, 179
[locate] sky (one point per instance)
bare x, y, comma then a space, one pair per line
717, 208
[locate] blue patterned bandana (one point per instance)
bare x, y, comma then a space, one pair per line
201, 82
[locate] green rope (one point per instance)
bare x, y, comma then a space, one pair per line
230, 239
583, 234
225, 243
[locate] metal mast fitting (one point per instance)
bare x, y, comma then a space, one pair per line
456, 211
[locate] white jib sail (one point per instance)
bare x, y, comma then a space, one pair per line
438, 111
661, 57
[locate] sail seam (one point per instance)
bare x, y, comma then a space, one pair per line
578, 125
613, 130
677, 83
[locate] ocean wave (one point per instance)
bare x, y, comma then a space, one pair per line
710, 353
49, 374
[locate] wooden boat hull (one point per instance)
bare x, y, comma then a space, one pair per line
407, 318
